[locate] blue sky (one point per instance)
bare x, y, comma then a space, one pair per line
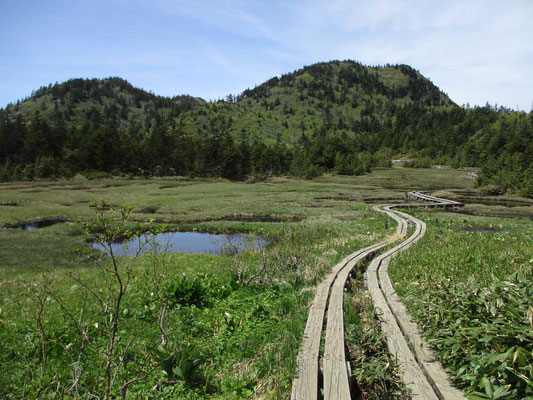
474, 50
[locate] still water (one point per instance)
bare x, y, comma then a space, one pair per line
35, 224
187, 242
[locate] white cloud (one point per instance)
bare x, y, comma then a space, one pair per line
474, 50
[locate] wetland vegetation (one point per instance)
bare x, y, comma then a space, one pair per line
228, 326
235, 320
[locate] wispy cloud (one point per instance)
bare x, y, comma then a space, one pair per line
475, 50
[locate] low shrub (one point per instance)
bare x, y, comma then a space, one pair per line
418, 163
92, 175
491, 346
491, 190
197, 290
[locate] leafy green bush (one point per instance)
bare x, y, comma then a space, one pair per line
312, 171
256, 177
5, 173
46, 167
486, 336
348, 165
527, 184
198, 290
180, 362
189, 290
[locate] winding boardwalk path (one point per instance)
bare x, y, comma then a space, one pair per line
424, 377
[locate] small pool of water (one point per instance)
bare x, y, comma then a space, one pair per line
188, 242
35, 224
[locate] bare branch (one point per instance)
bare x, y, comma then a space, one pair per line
261, 270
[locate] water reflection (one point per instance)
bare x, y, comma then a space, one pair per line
188, 242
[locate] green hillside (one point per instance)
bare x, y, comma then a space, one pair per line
340, 117
78, 100
335, 93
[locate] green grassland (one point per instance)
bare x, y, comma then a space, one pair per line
233, 322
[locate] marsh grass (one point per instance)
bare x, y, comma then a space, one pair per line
242, 337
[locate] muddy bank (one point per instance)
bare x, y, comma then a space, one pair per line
239, 217
345, 197
10, 203
35, 223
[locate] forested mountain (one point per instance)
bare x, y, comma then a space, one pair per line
336, 116
79, 100
334, 94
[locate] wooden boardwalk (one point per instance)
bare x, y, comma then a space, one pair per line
423, 375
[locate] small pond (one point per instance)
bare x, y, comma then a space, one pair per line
189, 242
36, 223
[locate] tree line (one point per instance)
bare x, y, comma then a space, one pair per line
39, 149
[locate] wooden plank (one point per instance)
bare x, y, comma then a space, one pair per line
412, 375
437, 376
305, 384
426, 379
336, 376
423, 376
